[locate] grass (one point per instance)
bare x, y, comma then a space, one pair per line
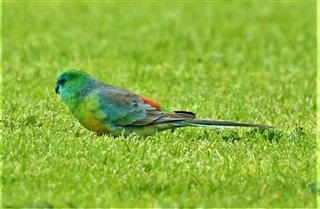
253, 62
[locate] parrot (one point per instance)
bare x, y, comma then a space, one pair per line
105, 109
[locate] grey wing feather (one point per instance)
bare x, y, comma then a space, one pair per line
124, 108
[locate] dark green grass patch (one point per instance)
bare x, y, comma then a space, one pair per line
253, 62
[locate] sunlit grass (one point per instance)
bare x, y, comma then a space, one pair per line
253, 62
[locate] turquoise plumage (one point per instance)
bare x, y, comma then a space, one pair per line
102, 108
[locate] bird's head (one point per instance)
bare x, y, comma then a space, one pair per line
71, 83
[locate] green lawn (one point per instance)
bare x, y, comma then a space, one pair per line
253, 62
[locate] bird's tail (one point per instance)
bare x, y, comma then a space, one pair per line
217, 123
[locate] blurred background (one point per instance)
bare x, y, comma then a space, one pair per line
214, 55
249, 61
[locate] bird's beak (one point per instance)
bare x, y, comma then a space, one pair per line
57, 89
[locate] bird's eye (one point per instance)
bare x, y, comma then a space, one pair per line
62, 81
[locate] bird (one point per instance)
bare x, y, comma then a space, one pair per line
106, 109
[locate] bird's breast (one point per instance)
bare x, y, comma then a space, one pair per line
90, 115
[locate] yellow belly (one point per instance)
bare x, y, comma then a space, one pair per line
90, 116
93, 124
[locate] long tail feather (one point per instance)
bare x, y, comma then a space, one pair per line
219, 123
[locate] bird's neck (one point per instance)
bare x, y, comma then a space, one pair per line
72, 103
74, 98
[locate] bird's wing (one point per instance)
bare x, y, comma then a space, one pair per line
124, 108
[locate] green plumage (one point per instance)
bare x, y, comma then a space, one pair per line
103, 108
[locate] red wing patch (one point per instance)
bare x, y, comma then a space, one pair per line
150, 102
